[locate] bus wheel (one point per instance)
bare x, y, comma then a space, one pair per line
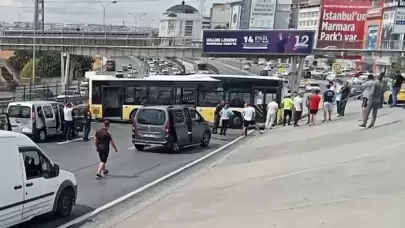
236, 121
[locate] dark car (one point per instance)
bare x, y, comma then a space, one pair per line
46, 93
356, 92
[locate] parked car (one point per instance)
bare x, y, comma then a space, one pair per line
119, 74
168, 126
31, 184
400, 96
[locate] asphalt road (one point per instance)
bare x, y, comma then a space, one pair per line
129, 168
121, 61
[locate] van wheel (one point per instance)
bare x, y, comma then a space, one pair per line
41, 135
205, 141
174, 148
139, 147
65, 203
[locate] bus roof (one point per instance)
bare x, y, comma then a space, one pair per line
193, 77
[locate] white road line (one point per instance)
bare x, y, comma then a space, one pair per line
151, 184
73, 140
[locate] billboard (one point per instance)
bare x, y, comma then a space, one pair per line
372, 37
257, 42
342, 24
235, 17
262, 13
399, 21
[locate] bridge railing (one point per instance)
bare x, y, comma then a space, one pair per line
361, 44
99, 41
69, 33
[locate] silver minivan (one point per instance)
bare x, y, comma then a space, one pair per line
37, 119
169, 127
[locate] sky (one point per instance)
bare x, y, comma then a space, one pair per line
91, 11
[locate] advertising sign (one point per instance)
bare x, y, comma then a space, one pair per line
399, 21
235, 17
257, 42
371, 39
342, 24
262, 13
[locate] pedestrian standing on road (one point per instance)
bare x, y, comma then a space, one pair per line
272, 108
226, 115
102, 141
332, 86
217, 117
396, 87
374, 102
249, 114
307, 101
338, 96
298, 108
68, 119
87, 119
346, 91
367, 92
287, 104
314, 106
328, 97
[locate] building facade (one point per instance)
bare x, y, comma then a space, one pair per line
181, 21
220, 15
235, 15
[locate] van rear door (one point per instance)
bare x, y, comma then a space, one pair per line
11, 187
21, 118
150, 124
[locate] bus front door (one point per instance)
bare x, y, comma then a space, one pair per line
262, 96
112, 102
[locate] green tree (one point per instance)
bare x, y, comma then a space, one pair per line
83, 64
330, 61
49, 64
26, 72
19, 59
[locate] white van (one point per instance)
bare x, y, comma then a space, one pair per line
37, 119
31, 183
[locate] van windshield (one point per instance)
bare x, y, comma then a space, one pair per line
151, 116
18, 111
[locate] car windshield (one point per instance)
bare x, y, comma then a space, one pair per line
18, 111
151, 116
314, 84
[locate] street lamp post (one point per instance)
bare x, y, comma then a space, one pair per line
136, 19
104, 12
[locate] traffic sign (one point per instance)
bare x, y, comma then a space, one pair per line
336, 67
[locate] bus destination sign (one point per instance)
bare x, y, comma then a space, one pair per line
257, 42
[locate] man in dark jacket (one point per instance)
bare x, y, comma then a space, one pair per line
396, 87
217, 117
87, 123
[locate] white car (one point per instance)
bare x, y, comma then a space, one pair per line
174, 68
134, 71
69, 94
150, 63
31, 184
176, 72
130, 75
152, 69
162, 64
246, 67
312, 86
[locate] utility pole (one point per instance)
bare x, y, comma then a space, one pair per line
39, 15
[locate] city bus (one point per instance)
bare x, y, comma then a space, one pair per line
119, 98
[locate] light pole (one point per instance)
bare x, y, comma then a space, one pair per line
104, 11
136, 19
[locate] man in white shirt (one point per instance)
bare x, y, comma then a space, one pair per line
298, 107
272, 108
68, 118
249, 114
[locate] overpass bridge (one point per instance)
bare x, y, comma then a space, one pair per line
146, 44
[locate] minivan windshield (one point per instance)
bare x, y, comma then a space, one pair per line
151, 116
18, 111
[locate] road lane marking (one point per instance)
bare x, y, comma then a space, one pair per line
73, 140
151, 184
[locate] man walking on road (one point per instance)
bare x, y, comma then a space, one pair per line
298, 107
287, 105
328, 97
272, 108
338, 96
374, 101
249, 114
367, 93
102, 141
396, 87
